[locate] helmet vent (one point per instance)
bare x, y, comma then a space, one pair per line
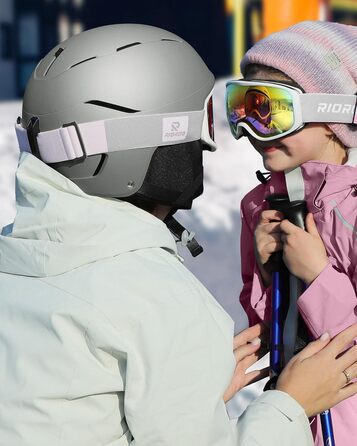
128, 46
112, 106
169, 40
103, 158
82, 61
57, 53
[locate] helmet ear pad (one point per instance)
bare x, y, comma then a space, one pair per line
174, 176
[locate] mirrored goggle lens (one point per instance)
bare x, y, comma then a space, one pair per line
267, 111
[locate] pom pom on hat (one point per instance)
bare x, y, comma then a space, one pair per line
320, 56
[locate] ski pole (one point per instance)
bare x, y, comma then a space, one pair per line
295, 212
277, 305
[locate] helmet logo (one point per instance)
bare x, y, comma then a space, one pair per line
174, 128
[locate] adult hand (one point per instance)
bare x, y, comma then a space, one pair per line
248, 349
304, 252
267, 239
315, 377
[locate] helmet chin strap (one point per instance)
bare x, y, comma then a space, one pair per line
295, 184
182, 235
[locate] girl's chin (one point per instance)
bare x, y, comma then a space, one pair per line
271, 166
276, 167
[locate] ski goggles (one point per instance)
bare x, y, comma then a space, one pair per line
269, 110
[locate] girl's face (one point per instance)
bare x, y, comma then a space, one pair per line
312, 142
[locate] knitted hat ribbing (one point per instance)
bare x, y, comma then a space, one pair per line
320, 56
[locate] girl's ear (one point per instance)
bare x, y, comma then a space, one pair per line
329, 132
332, 137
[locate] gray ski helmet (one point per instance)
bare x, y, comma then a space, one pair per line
101, 104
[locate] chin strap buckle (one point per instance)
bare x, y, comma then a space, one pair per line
263, 177
184, 236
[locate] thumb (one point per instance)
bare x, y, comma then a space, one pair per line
314, 347
310, 225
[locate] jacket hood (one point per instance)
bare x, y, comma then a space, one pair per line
58, 227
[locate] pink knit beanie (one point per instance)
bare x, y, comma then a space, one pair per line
319, 56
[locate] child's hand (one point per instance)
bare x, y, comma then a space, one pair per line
267, 240
304, 251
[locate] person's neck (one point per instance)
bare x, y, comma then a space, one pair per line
161, 211
336, 153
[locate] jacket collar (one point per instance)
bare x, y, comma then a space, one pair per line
58, 227
319, 180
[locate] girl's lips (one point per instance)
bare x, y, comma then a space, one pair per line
269, 149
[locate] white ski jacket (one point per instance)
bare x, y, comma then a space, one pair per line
106, 339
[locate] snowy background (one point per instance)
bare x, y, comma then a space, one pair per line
215, 218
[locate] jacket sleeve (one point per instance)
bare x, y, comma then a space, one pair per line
329, 303
173, 398
254, 297
179, 363
274, 418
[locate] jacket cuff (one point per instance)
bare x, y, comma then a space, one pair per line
284, 403
328, 303
274, 418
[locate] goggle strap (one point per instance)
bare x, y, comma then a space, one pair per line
337, 108
73, 141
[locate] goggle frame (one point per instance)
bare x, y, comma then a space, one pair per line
307, 107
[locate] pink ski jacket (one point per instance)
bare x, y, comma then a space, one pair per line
330, 302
